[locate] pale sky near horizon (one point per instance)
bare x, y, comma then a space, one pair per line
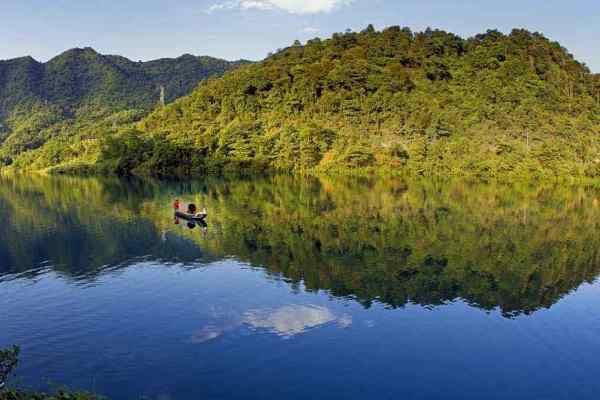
249, 29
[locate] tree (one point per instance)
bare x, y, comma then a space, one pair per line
9, 359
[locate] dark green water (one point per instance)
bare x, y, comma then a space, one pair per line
302, 288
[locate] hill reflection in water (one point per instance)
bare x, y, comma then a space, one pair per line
516, 248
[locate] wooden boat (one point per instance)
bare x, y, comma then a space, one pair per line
191, 217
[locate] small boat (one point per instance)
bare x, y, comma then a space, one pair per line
191, 217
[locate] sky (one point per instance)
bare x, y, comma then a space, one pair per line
250, 29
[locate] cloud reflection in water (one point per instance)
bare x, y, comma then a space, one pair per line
286, 321
291, 320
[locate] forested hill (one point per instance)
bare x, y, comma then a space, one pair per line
81, 86
431, 102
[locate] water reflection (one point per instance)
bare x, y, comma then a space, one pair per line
516, 248
292, 320
286, 321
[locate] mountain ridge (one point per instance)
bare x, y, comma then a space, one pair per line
92, 49
83, 84
125, 64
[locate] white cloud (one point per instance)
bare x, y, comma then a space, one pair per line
291, 6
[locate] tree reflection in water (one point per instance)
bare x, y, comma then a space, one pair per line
518, 248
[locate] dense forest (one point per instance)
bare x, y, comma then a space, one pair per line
394, 101
429, 103
51, 112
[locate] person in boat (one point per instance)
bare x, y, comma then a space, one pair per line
193, 210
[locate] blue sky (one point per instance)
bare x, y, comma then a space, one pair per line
233, 29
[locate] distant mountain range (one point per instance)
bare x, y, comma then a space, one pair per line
81, 77
81, 83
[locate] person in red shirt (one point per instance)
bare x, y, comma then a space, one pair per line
176, 208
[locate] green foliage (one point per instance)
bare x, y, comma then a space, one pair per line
130, 151
8, 362
493, 105
60, 395
9, 359
47, 111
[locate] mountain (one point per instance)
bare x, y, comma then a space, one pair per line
430, 103
39, 100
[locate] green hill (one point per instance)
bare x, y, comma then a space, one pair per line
516, 105
79, 93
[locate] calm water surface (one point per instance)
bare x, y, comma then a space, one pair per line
302, 289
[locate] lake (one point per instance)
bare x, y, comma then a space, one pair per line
302, 288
